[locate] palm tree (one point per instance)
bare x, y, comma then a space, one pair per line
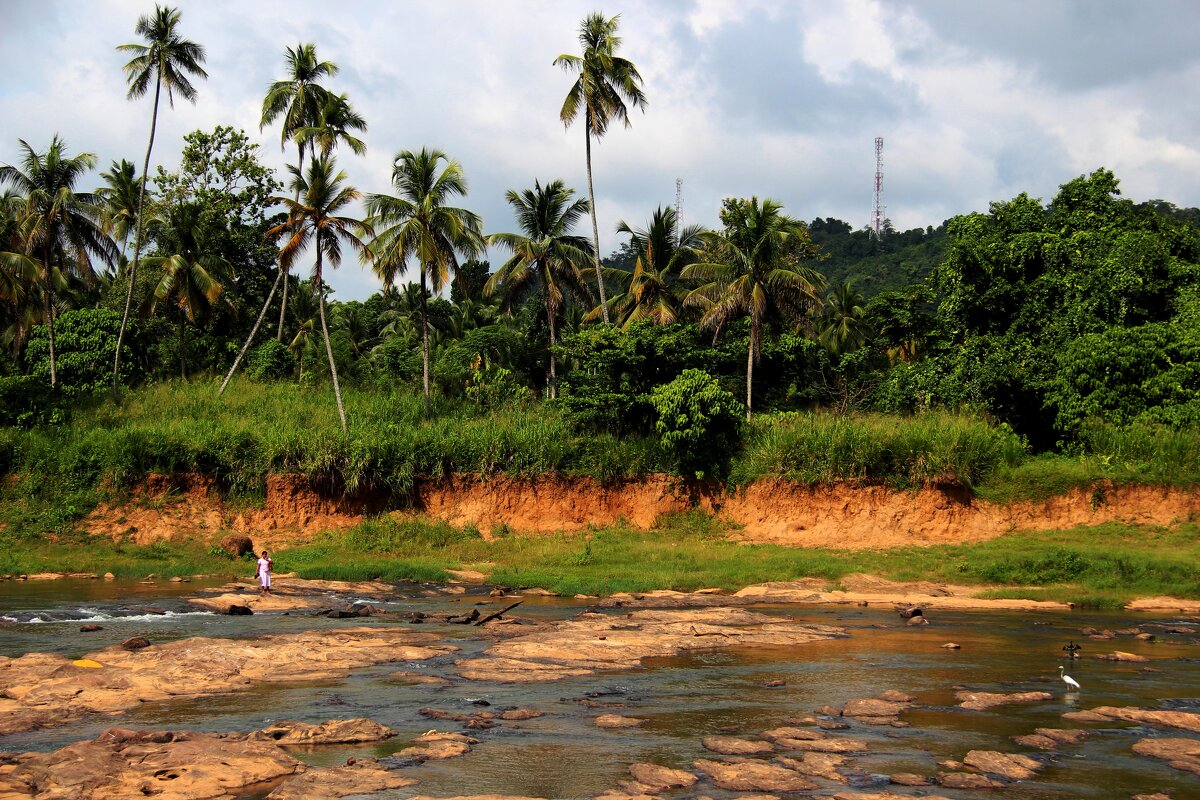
653, 291
335, 119
312, 117
314, 219
57, 229
193, 278
299, 99
169, 60
753, 268
607, 85
306, 313
546, 256
121, 195
417, 222
843, 324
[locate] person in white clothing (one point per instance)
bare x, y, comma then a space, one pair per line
264, 573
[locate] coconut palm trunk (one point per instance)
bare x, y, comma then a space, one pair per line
553, 341
587, 133
137, 244
49, 311
337, 390
283, 272
755, 333
253, 331
424, 341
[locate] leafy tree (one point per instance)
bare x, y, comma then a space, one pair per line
270, 361
193, 276
606, 86
85, 340
419, 223
58, 229
753, 267
697, 422
546, 256
469, 281
315, 220
843, 324
653, 290
167, 59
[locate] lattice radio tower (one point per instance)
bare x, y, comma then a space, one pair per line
877, 214
678, 207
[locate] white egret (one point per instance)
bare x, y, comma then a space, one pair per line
1068, 680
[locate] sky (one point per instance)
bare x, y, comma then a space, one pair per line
975, 101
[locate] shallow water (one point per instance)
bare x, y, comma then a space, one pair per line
564, 755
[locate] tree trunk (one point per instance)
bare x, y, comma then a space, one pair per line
49, 301
587, 135
553, 340
183, 348
337, 391
261, 314
282, 271
754, 334
424, 342
137, 245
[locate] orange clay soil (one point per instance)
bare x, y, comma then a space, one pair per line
769, 510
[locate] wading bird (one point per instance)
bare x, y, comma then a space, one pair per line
1068, 680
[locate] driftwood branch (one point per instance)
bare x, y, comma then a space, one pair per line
498, 614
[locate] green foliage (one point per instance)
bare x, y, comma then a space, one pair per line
698, 422
26, 401
923, 450
270, 361
85, 341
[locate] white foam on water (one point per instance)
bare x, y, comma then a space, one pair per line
98, 616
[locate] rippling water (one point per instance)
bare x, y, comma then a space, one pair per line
564, 755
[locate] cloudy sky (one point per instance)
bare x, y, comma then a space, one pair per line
976, 101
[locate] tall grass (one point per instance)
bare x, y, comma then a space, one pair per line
903, 452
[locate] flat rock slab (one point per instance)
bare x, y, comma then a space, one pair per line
43, 689
753, 776
287, 594
438, 746
969, 780
1010, 766
333, 731
660, 778
1050, 738
733, 746
883, 796
169, 765
365, 776
594, 642
1183, 720
981, 701
1181, 754
818, 765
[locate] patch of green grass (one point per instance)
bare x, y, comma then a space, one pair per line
164, 559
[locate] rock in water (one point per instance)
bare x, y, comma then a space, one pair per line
136, 643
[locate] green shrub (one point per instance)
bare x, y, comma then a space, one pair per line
698, 422
85, 344
26, 401
270, 361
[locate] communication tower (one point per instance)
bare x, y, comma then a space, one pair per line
877, 214
678, 206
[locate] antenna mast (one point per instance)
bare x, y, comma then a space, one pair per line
877, 214
678, 208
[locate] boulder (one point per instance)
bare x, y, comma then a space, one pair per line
753, 776
135, 643
660, 778
236, 610
334, 731
733, 746
981, 701
237, 545
90, 628
437, 746
1010, 766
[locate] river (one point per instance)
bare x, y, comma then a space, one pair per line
564, 755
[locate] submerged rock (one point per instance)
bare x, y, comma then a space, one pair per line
334, 731
437, 746
1184, 720
594, 642
1010, 766
1181, 754
617, 721
661, 778
1050, 738
733, 746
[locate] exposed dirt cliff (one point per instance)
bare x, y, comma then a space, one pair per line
770, 510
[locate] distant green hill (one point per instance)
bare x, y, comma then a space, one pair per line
892, 261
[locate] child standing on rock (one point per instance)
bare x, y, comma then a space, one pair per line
264, 573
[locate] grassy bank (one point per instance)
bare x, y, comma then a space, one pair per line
258, 429
1097, 567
